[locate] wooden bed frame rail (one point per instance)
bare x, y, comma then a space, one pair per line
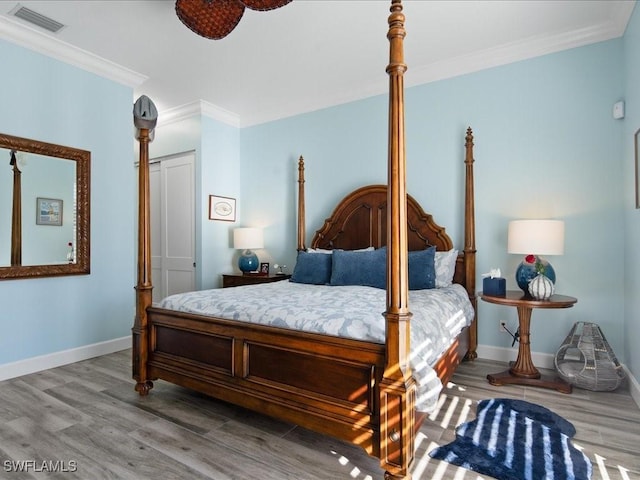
357, 391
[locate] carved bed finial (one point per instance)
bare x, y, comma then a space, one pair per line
469, 138
396, 35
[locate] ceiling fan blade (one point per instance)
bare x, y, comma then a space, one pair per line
213, 19
263, 5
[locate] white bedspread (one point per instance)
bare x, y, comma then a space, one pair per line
351, 311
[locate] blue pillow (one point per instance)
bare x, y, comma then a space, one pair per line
368, 268
312, 268
422, 270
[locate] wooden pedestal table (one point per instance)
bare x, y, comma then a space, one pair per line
523, 372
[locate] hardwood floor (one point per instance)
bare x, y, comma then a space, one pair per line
87, 417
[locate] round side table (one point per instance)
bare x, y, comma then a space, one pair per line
523, 372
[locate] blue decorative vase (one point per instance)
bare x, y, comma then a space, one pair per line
248, 261
527, 272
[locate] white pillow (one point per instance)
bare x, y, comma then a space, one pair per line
322, 250
445, 265
318, 250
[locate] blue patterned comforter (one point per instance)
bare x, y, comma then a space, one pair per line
351, 311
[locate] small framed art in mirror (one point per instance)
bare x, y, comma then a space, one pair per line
49, 211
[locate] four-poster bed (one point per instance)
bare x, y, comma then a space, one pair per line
360, 391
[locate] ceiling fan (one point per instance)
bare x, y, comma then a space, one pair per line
215, 19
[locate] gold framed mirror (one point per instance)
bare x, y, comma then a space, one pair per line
44, 209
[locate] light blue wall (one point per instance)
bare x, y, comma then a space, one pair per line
220, 176
546, 146
51, 101
631, 215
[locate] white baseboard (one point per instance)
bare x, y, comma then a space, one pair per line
634, 386
57, 359
545, 360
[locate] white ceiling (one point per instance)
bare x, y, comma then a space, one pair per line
307, 55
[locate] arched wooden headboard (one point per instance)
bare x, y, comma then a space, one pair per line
360, 220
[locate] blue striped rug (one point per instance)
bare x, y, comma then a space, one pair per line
517, 440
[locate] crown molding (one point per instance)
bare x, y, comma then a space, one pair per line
25, 36
516, 51
199, 107
611, 28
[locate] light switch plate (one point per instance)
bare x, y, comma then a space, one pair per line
618, 110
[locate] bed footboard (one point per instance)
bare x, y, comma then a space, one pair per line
326, 384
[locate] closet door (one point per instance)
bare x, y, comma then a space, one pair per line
172, 192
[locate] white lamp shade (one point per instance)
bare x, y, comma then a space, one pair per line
248, 238
537, 237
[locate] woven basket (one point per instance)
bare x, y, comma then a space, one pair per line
586, 360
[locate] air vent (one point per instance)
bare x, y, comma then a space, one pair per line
37, 19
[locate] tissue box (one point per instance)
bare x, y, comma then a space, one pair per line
494, 286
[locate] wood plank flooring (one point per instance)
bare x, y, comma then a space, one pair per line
87, 417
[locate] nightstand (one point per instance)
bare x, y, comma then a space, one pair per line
237, 280
523, 372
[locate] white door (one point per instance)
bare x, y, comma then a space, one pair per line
172, 193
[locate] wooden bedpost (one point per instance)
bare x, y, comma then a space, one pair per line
144, 117
470, 244
397, 388
301, 205
144, 288
16, 213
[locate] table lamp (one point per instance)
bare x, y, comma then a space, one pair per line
248, 238
534, 238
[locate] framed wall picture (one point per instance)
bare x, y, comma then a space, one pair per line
222, 208
264, 268
48, 211
636, 148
